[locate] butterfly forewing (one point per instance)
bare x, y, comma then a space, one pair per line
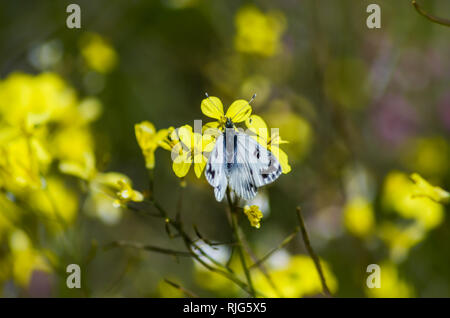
265, 168
214, 171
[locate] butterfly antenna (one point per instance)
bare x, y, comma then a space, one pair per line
217, 107
251, 100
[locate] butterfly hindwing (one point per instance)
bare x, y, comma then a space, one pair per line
255, 166
265, 168
241, 181
214, 171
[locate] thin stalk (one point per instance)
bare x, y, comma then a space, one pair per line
311, 252
150, 184
432, 18
184, 290
280, 246
148, 248
261, 267
191, 245
180, 201
239, 240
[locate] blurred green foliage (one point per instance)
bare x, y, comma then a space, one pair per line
362, 110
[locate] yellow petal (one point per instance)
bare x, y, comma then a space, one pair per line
161, 134
166, 142
212, 107
282, 159
199, 165
186, 136
149, 159
208, 142
111, 179
73, 168
210, 126
198, 144
239, 111
257, 125
211, 133
82, 169
137, 196
203, 143
275, 139
174, 135
144, 133
425, 189
181, 165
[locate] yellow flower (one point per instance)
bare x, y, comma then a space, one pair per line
400, 239
399, 196
259, 33
108, 182
359, 217
98, 53
254, 215
149, 139
102, 202
22, 162
425, 189
27, 101
126, 193
170, 140
189, 149
257, 125
238, 112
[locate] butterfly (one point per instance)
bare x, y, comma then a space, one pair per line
238, 161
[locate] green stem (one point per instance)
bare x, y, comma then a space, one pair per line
184, 290
190, 245
430, 17
148, 248
261, 267
150, 184
311, 252
279, 247
240, 246
235, 226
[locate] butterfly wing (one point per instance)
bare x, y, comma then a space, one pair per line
241, 181
267, 165
215, 169
242, 163
255, 166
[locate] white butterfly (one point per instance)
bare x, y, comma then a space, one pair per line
238, 161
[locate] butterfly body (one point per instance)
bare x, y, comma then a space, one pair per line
238, 161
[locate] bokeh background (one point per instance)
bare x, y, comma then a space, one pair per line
362, 109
